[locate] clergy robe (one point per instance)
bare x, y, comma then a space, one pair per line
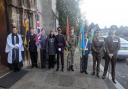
10, 47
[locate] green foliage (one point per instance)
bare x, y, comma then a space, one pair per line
68, 8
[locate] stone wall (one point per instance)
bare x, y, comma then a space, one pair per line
47, 16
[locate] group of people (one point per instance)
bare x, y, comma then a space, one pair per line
52, 48
101, 47
108, 48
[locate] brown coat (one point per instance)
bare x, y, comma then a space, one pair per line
112, 45
98, 45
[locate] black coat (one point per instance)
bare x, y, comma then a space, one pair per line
32, 43
51, 45
60, 42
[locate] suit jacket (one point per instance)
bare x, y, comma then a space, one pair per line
60, 42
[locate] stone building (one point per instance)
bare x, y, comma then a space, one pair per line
3, 32
48, 14
18, 11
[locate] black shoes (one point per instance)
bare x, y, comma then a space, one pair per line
81, 71
86, 72
43, 67
72, 69
113, 80
98, 75
93, 73
62, 70
36, 66
57, 69
103, 77
68, 69
51, 67
32, 66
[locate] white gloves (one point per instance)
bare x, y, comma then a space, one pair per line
110, 55
86, 49
16, 46
59, 49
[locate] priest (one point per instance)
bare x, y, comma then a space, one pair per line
14, 47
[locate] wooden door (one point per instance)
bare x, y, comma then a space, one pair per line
3, 33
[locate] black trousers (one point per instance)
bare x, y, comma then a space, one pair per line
113, 65
96, 62
15, 66
23, 55
60, 55
84, 63
51, 61
33, 56
43, 58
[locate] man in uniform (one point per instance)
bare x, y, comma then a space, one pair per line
97, 50
72, 47
112, 45
60, 43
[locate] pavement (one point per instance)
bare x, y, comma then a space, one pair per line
122, 73
3, 70
50, 79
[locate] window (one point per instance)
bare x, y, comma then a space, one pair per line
26, 3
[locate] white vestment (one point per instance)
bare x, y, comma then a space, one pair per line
10, 46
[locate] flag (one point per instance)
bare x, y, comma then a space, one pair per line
67, 29
82, 38
38, 28
82, 43
26, 28
91, 35
38, 37
26, 24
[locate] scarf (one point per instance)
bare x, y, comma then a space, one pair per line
15, 51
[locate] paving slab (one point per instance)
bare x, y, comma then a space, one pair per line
50, 79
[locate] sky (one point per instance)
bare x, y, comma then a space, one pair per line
105, 12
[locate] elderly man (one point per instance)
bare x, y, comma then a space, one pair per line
112, 45
14, 47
